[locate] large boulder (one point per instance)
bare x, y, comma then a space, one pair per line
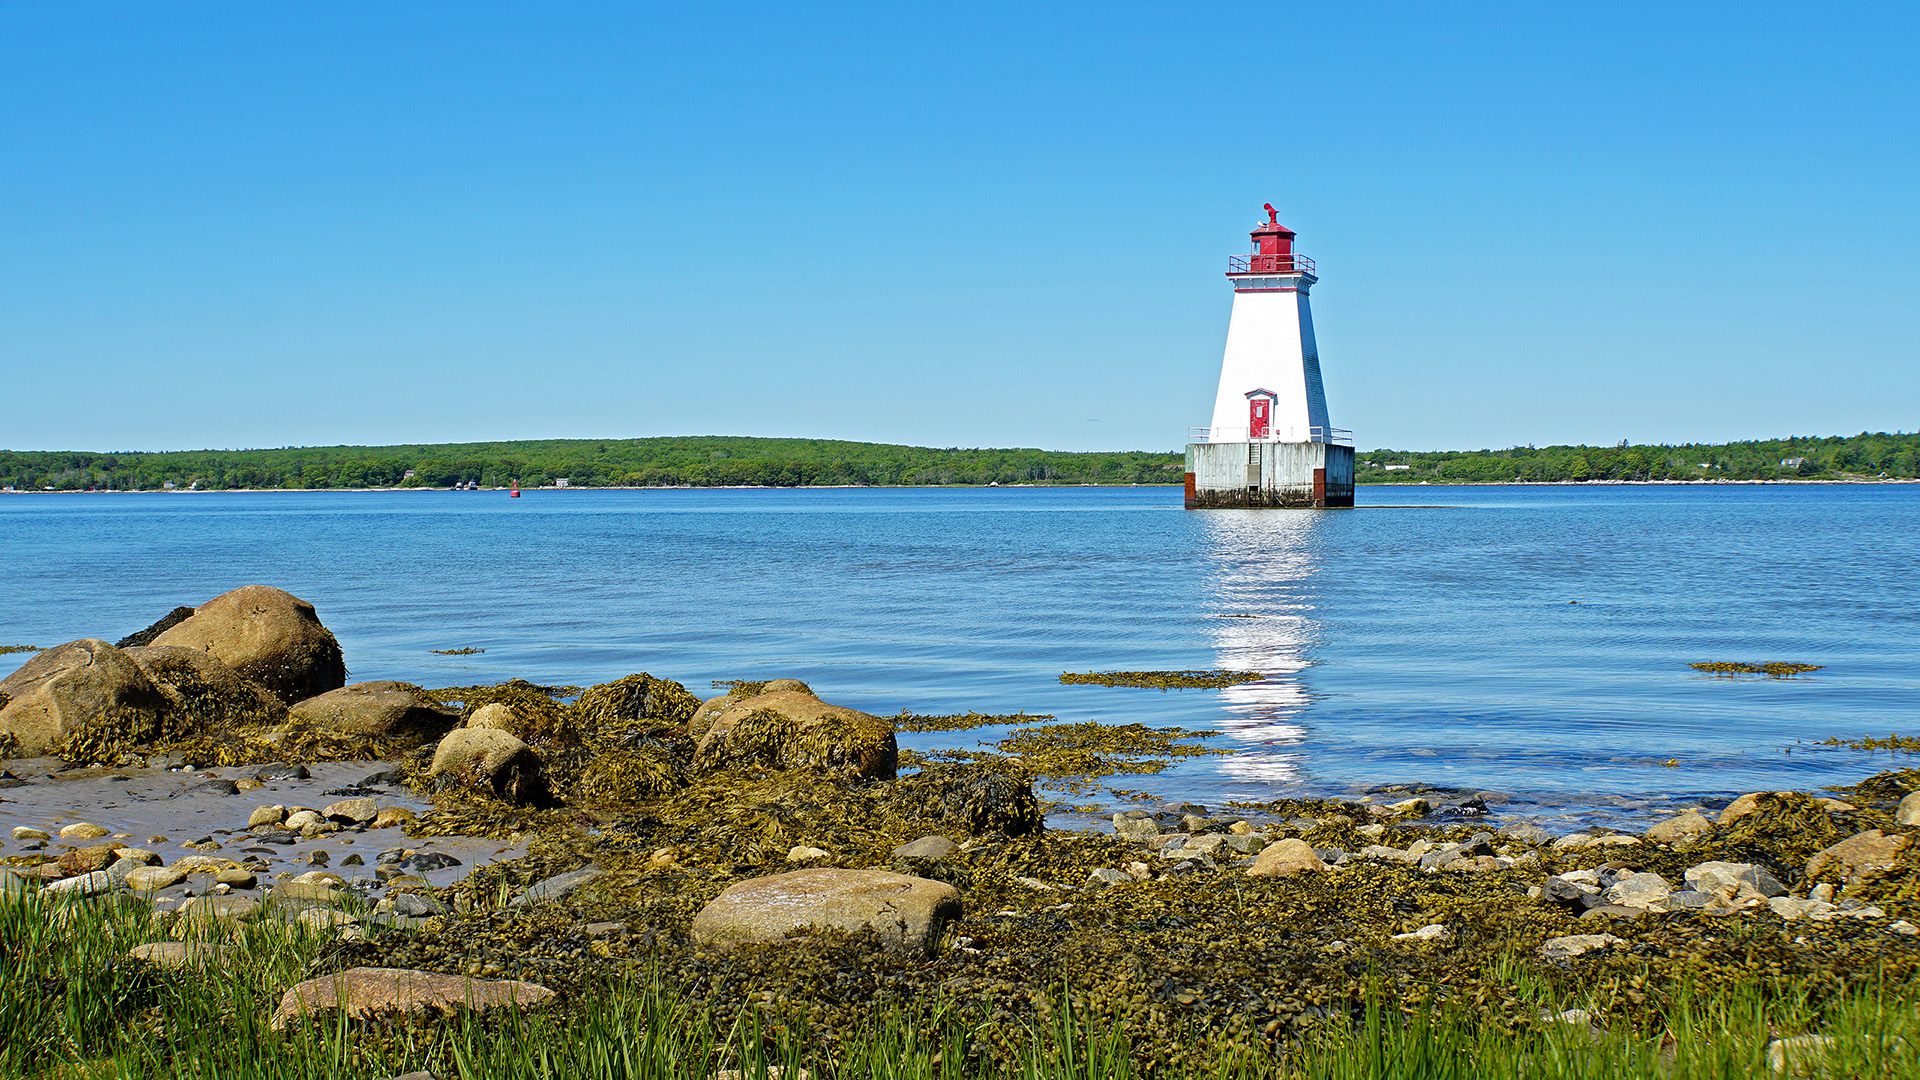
787, 729
491, 762
204, 693
366, 992
382, 709
1858, 859
1284, 858
1681, 830
907, 913
267, 635
703, 715
69, 687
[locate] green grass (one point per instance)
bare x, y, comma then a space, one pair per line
71, 1005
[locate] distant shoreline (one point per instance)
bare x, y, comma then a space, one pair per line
1841, 482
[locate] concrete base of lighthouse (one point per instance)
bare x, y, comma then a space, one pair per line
1250, 475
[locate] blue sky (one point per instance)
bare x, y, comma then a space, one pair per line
972, 225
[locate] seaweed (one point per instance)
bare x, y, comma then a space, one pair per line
1883, 788
630, 777
477, 696
1080, 753
1775, 669
1163, 680
5, 649
1901, 744
465, 651
769, 739
146, 637
636, 699
967, 721
119, 734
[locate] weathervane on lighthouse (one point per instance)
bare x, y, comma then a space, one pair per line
1270, 443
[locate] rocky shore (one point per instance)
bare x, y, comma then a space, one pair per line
764, 850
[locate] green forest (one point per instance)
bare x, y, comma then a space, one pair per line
724, 461
1866, 455
702, 461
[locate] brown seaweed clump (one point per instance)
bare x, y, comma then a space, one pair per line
636, 700
1900, 744
1776, 669
1163, 680
967, 721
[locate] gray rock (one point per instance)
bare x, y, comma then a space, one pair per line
1687, 898
62, 689
907, 913
1909, 811
1245, 843
266, 635
1526, 832
490, 761
1204, 845
1709, 876
1566, 948
557, 886
173, 955
1135, 828
927, 847
352, 811
208, 909
95, 884
1682, 829
1106, 878
1798, 1053
1638, 890
153, 878
1576, 896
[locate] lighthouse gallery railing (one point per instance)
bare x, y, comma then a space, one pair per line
1335, 436
1270, 264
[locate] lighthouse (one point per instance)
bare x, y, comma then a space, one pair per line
1270, 443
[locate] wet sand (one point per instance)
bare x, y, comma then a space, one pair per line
162, 809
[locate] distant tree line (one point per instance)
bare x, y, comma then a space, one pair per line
1834, 457
706, 461
725, 461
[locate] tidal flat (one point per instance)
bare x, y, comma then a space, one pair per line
762, 884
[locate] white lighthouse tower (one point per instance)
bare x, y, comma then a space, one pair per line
1270, 443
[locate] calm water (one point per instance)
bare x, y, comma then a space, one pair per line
1533, 641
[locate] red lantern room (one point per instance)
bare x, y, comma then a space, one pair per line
1272, 238
1272, 251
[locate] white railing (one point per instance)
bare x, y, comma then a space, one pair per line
1331, 435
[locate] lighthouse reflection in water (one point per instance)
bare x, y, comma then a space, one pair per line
1262, 566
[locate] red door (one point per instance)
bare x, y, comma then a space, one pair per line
1259, 417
